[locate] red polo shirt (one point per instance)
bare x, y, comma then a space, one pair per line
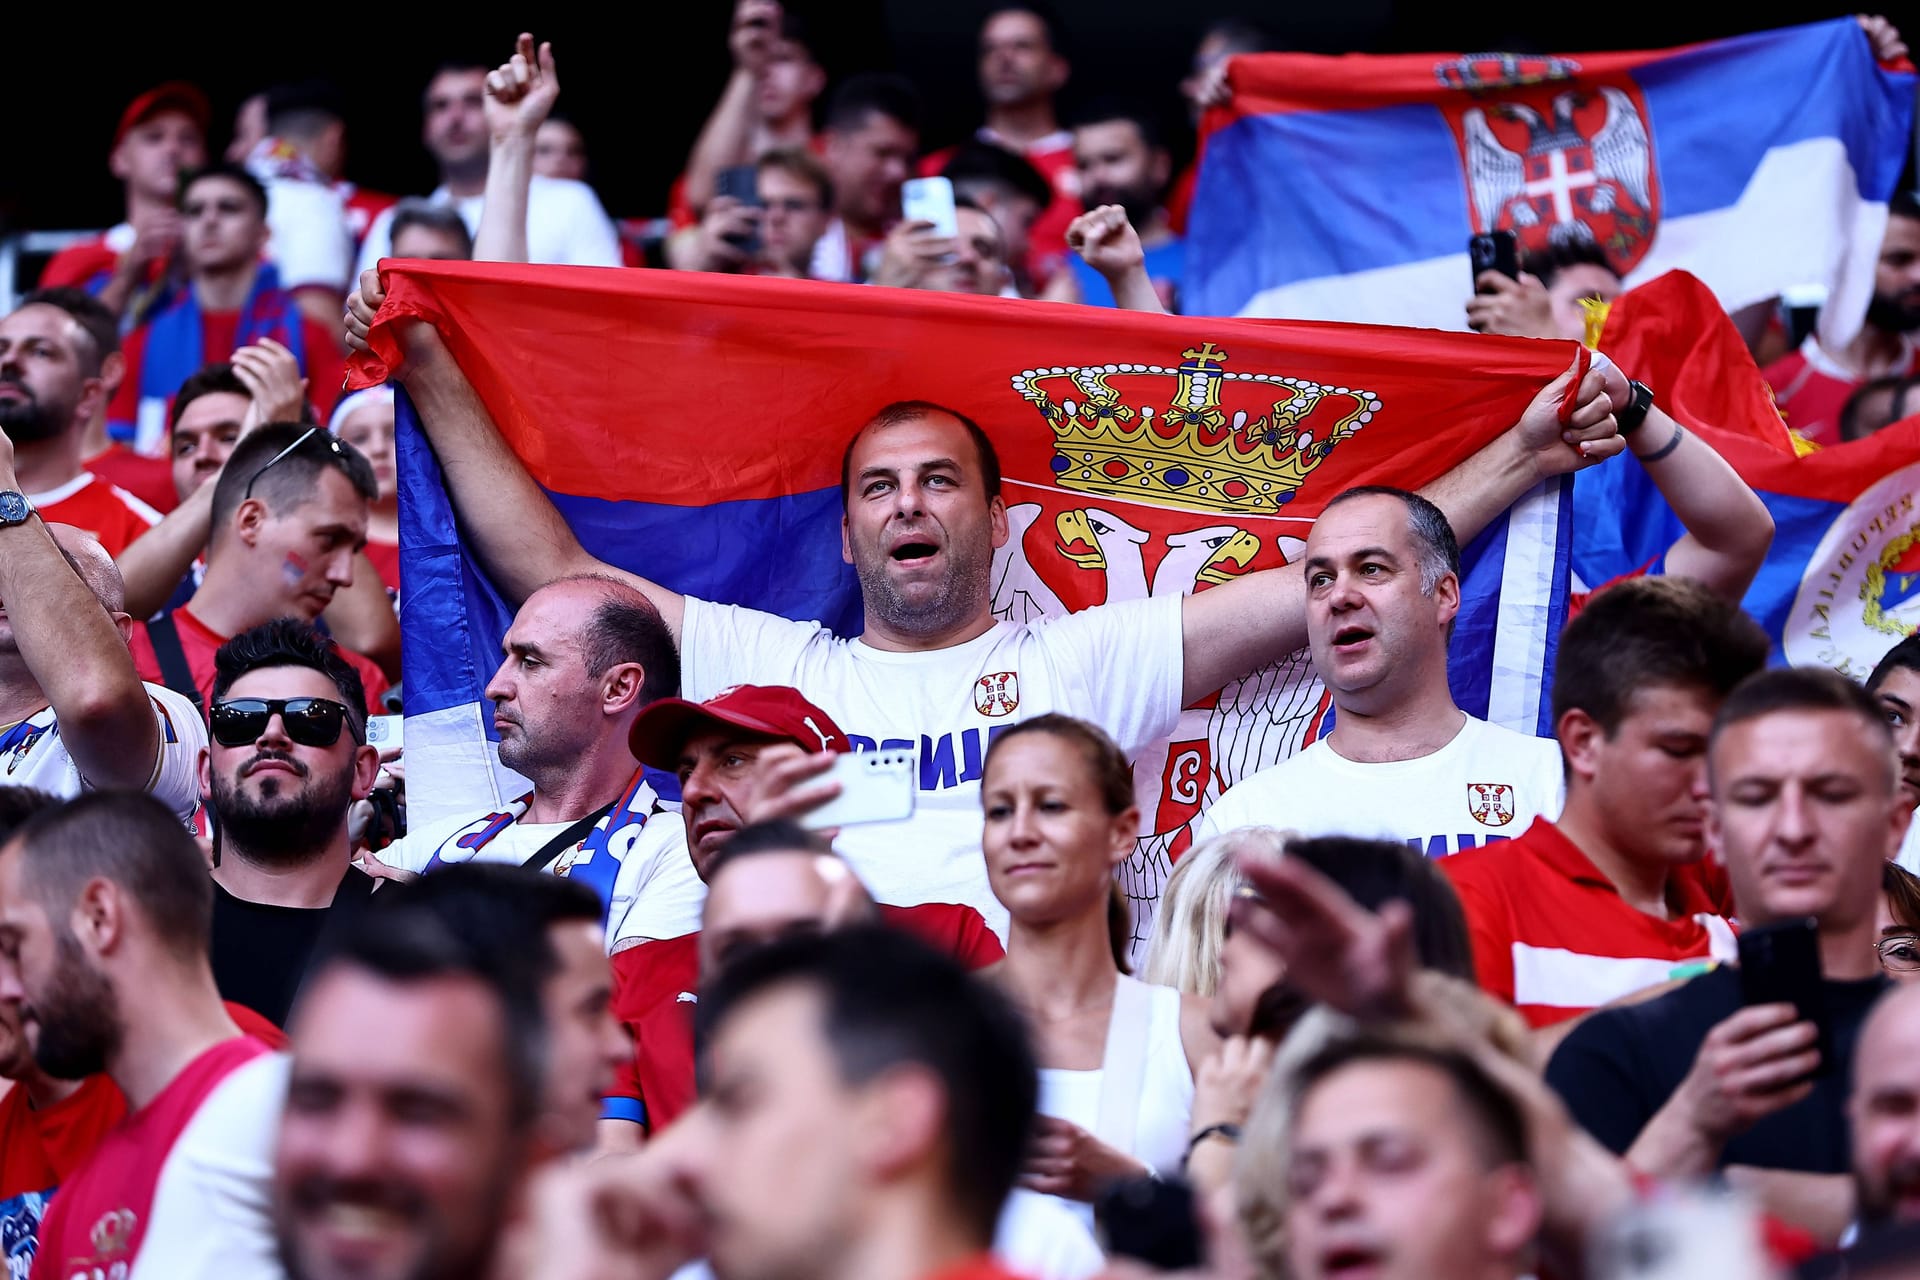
1552, 936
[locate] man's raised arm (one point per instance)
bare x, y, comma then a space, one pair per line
522, 540
1241, 626
75, 651
1728, 528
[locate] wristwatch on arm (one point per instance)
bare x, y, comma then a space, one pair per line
14, 507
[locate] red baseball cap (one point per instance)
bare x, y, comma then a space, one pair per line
661, 731
174, 95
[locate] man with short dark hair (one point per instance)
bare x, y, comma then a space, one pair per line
232, 299
1895, 684
1617, 895
546, 929
795, 194
869, 135
767, 104
287, 758
1022, 69
1806, 812
565, 222
1543, 301
105, 910
422, 229
111, 460
584, 656
54, 380
1011, 191
161, 135
973, 260
1403, 761
303, 152
289, 515
411, 1106
1122, 160
809, 1044
1467, 1206
48, 1126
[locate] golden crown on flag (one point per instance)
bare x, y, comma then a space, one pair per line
1203, 450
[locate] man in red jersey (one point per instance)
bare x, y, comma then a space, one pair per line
744, 756
105, 912
162, 134
1021, 70
1616, 895
53, 380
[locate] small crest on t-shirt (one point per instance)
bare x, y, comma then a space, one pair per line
1490, 803
997, 694
112, 1233
24, 748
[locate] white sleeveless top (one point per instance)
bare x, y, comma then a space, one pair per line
1141, 1099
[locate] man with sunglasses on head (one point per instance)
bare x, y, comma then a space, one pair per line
288, 757
289, 516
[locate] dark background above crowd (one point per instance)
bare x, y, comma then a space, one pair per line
639, 79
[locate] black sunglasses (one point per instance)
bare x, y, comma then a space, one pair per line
311, 722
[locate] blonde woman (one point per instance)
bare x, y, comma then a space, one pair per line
1190, 926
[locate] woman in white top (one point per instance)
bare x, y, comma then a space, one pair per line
1117, 1056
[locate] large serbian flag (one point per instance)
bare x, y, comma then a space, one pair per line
1841, 584
1346, 188
690, 428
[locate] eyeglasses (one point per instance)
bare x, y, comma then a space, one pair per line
1901, 952
311, 722
304, 436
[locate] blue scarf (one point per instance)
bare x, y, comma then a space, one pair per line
177, 342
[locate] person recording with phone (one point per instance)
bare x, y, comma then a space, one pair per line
764, 220
1117, 1056
754, 757
945, 244
1749, 1066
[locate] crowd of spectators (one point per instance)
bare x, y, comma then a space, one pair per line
1640, 1006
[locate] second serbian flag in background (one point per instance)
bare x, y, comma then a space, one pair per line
1346, 188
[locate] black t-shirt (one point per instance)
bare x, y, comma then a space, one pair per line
260, 953
1621, 1065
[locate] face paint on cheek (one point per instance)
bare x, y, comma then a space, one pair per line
294, 568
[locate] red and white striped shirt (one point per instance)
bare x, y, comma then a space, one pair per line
1552, 936
179, 1188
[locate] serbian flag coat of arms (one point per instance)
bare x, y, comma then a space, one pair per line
689, 427
1346, 188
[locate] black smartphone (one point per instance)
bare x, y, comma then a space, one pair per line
742, 182
1150, 1220
1780, 964
1495, 251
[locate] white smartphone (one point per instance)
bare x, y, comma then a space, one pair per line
930, 200
1684, 1235
386, 732
875, 786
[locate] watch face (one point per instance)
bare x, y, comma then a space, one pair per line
13, 507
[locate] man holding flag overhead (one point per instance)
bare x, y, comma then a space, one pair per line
935, 665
